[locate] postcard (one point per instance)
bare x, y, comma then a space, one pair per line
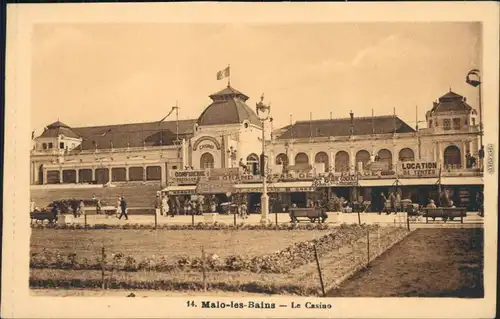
234, 160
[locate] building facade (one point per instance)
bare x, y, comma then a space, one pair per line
218, 153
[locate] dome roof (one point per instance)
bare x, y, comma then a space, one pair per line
58, 128
451, 101
228, 107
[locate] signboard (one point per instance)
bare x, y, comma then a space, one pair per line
187, 177
278, 190
418, 169
182, 192
331, 180
214, 187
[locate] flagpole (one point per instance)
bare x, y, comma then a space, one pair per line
373, 123
394, 119
418, 133
310, 124
177, 119
229, 76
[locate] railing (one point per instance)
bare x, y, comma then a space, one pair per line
77, 151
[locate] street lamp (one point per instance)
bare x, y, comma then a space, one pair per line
477, 83
263, 111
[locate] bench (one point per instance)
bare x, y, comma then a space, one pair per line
446, 213
311, 214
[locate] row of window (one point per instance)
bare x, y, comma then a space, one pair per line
455, 123
452, 156
102, 176
50, 146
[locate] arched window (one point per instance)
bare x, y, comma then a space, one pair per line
406, 155
322, 157
282, 159
206, 161
342, 162
385, 156
301, 158
362, 157
253, 164
452, 157
44, 146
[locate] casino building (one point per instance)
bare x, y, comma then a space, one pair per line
357, 158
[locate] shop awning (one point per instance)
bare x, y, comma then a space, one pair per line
401, 182
469, 180
180, 189
282, 187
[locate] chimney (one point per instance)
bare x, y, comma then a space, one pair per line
465, 99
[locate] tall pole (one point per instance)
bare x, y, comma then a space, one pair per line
418, 133
477, 83
264, 202
480, 122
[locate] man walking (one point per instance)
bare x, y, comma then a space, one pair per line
157, 205
123, 205
97, 202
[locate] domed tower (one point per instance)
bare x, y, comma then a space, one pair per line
225, 131
228, 107
57, 138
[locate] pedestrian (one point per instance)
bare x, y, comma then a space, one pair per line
383, 198
392, 199
74, 206
119, 207
81, 208
54, 210
123, 206
187, 207
97, 202
177, 206
157, 205
164, 206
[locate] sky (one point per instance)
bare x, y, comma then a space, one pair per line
99, 74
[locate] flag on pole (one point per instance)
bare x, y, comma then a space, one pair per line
163, 119
223, 73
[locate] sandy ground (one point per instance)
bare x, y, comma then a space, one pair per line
427, 263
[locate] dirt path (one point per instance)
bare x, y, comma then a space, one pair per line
428, 263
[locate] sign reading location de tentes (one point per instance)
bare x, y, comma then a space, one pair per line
418, 169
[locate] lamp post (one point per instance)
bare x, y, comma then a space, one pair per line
263, 111
477, 83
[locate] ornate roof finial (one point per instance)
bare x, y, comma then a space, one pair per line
262, 98
450, 88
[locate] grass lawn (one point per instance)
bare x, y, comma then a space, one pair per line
302, 280
427, 263
169, 243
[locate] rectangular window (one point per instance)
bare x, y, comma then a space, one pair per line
473, 121
430, 123
446, 124
50, 145
61, 145
456, 124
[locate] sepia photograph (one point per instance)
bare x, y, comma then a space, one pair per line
227, 164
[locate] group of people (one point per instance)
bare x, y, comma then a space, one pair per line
391, 204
